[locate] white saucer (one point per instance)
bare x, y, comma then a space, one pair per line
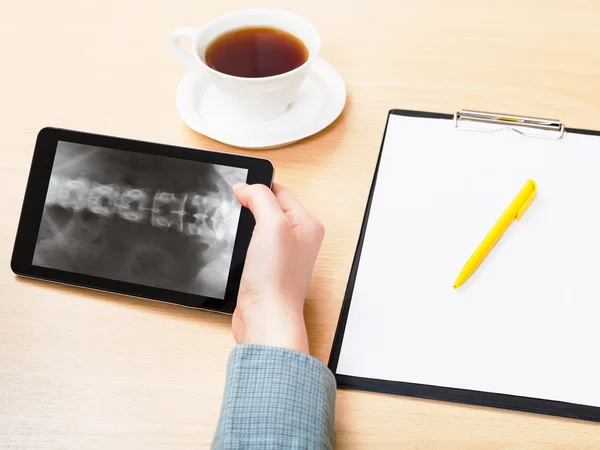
321, 99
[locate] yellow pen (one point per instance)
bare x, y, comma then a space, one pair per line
514, 211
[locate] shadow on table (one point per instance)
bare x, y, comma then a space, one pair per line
147, 305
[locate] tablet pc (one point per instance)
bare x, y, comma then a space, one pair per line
136, 218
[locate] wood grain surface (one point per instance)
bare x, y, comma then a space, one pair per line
82, 369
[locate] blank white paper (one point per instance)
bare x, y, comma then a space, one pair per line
527, 323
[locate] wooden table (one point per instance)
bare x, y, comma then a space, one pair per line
80, 369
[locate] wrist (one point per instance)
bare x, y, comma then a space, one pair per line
291, 338
272, 327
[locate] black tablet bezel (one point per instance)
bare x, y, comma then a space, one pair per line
260, 171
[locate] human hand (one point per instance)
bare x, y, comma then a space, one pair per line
278, 269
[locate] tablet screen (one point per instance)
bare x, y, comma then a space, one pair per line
140, 218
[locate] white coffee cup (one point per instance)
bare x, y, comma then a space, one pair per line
253, 98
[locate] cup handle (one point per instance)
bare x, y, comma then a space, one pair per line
183, 56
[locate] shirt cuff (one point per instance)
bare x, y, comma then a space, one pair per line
276, 398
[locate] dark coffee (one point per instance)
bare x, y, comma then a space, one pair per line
256, 52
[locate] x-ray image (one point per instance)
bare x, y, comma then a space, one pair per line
140, 218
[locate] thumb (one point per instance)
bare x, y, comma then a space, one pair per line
259, 199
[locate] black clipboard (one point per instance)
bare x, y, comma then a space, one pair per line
522, 125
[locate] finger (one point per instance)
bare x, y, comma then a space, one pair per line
289, 204
298, 217
259, 199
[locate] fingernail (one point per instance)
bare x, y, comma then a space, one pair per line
238, 186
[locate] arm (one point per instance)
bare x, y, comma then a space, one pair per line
276, 398
276, 395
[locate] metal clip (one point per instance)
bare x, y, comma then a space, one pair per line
528, 126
